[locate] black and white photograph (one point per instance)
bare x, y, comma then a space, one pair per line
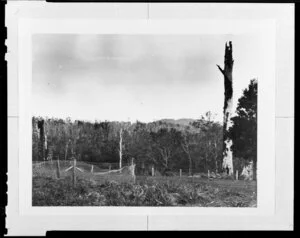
149, 116
144, 120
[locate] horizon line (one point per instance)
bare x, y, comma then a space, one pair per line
131, 121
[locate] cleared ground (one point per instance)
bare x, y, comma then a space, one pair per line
146, 191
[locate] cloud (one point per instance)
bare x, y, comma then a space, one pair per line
137, 76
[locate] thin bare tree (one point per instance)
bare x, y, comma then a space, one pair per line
120, 148
186, 148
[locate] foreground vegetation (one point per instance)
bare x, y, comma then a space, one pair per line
147, 191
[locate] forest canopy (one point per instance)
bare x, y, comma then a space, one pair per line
169, 145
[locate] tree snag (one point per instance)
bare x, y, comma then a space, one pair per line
42, 145
121, 148
227, 110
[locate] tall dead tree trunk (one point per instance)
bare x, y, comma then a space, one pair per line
227, 110
121, 148
42, 150
46, 147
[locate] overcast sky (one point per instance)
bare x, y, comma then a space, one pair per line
137, 77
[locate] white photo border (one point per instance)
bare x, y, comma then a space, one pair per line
194, 218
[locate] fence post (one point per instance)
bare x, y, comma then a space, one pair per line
152, 170
180, 172
74, 172
57, 168
237, 175
92, 169
208, 174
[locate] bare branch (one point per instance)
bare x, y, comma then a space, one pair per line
222, 71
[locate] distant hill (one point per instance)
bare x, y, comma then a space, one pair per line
181, 121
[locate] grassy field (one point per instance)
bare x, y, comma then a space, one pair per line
147, 191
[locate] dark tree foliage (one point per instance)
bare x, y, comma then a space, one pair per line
211, 141
167, 146
244, 129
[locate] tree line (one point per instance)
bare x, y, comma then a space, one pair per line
165, 145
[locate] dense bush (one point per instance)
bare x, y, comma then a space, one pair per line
169, 146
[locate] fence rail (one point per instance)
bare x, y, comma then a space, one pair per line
60, 169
